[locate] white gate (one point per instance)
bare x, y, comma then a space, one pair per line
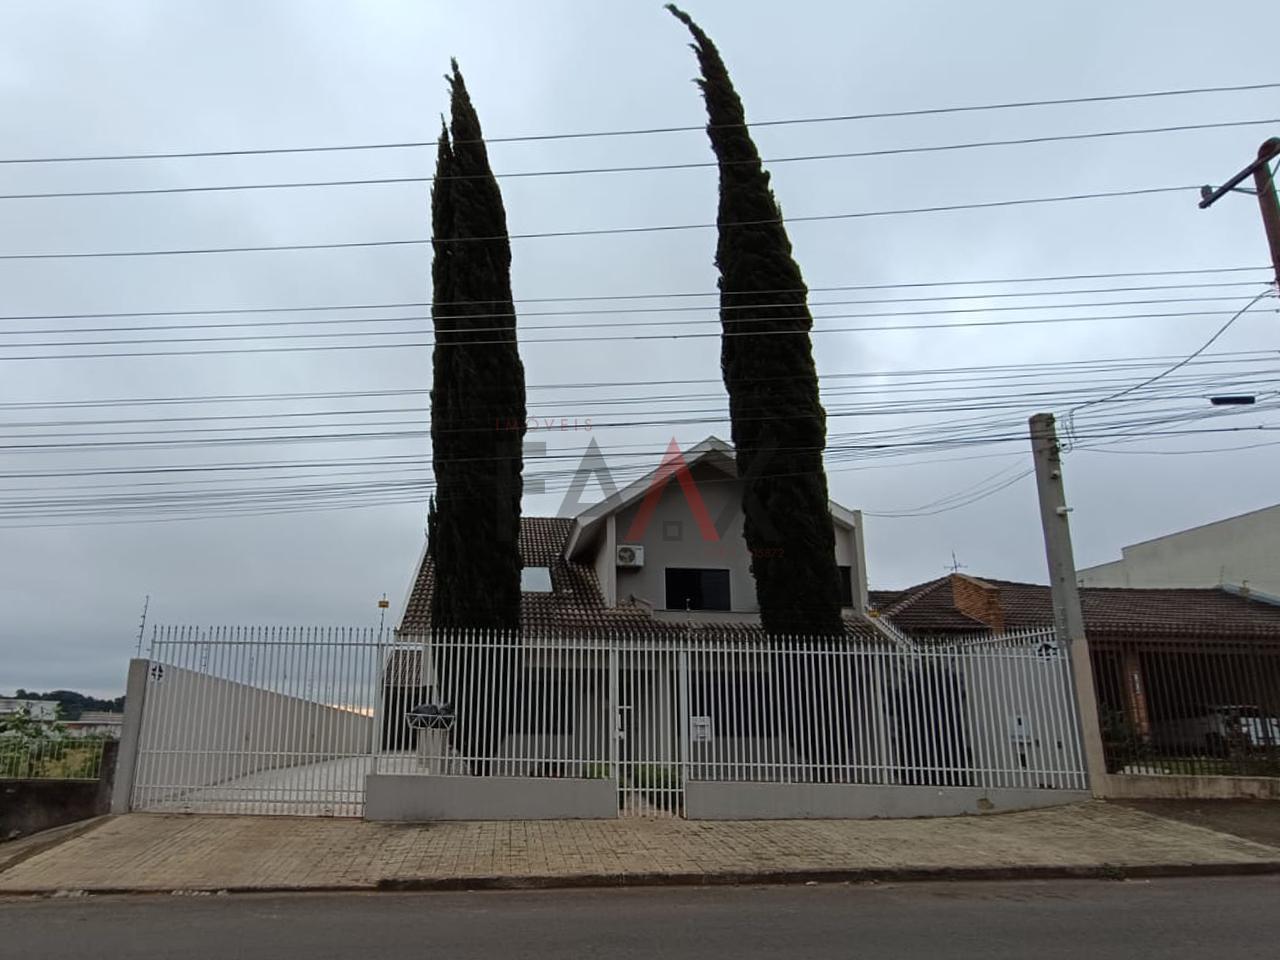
258, 721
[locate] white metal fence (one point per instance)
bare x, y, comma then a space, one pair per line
653, 714
50, 757
278, 720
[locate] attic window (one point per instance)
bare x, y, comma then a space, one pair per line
535, 580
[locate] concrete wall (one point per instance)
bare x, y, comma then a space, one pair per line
1130, 787
722, 496
1230, 551
200, 730
424, 798
716, 800
28, 806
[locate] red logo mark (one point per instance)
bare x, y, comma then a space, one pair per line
673, 464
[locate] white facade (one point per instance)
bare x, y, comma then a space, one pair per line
1236, 552
672, 533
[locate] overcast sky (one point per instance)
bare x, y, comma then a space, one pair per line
81, 78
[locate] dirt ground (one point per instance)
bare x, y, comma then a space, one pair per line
1256, 820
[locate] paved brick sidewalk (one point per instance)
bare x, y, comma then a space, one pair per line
152, 852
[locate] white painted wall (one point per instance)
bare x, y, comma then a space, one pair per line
721, 495
199, 730
1232, 551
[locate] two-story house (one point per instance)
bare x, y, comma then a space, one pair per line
665, 554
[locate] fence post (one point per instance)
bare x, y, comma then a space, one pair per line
683, 707
135, 699
613, 726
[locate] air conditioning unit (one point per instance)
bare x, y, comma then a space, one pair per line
630, 556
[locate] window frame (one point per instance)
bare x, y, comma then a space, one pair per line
702, 589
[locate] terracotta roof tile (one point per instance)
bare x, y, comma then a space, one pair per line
576, 602
1111, 612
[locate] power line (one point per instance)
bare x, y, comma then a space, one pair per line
647, 131
944, 375
638, 168
878, 406
1195, 353
1069, 420
353, 434
341, 498
603, 231
1078, 379
640, 337
683, 321
677, 295
958, 504
423, 344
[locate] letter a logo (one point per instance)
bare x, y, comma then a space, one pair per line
673, 465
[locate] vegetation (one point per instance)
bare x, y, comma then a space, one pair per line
778, 422
41, 749
477, 395
477, 424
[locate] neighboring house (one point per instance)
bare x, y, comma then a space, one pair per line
43, 710
1242, 551
96, 723
1168, 663
664, 555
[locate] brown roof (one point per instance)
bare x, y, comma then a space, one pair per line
576, 603
1110, 612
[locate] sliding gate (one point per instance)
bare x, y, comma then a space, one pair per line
258, 721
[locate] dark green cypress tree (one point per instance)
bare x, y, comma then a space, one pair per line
778, 423
477, 395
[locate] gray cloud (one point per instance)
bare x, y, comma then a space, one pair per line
138, 76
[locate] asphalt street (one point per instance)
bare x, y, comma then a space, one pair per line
1171, 919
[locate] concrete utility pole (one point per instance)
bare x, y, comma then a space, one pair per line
1068, 618
1264, 189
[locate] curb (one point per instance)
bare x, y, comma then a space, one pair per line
921, 874
1103, 871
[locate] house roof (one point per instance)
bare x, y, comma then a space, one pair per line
712, 451
1109, 612
576, 602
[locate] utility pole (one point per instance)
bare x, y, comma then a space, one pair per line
1068, 618
1264, 189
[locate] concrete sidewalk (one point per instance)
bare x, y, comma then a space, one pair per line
154, 852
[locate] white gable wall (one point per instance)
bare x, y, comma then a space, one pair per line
672, 538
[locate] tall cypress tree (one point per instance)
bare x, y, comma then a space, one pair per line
477, 395
778, 422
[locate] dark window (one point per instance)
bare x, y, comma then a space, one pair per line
689, 588
846, 586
